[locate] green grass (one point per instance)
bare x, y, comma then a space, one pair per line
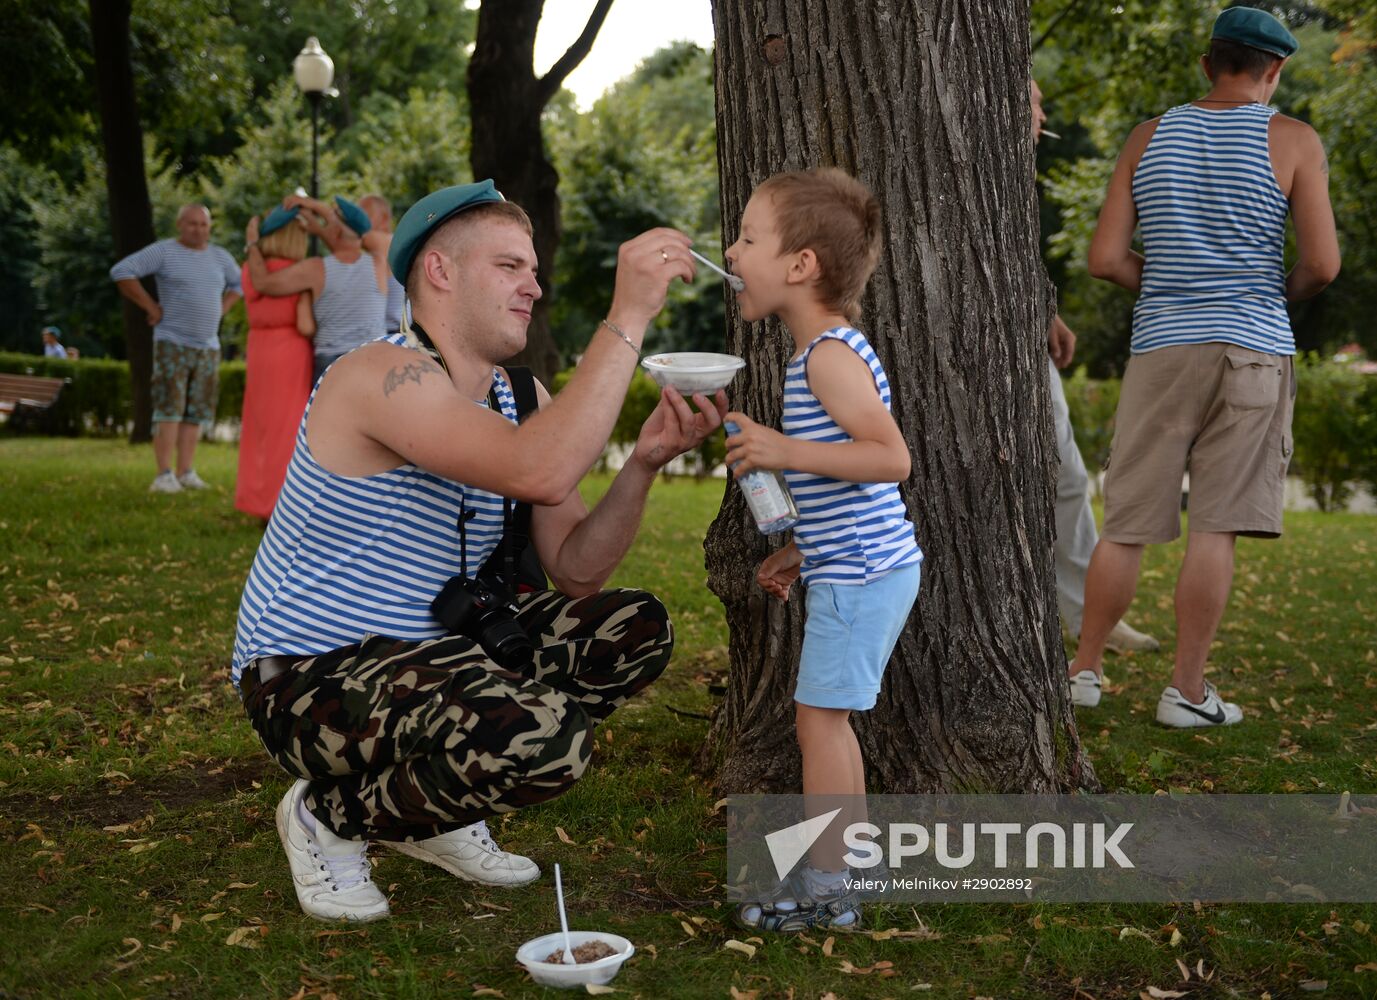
136, 806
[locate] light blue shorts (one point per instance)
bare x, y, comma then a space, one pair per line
848, 637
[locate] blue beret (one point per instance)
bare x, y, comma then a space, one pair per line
432, 211
1256, 29
354, 217
277, 218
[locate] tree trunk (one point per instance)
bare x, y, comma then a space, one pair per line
506, 99
925, 101
131, 211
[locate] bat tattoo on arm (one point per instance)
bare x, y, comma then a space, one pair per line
410, 372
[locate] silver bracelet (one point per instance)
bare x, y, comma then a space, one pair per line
621, 333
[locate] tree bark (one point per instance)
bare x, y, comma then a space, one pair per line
126, 184
506, 99
926, 101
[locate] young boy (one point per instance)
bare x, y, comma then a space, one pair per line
808, 243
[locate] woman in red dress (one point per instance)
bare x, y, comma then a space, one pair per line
278, 382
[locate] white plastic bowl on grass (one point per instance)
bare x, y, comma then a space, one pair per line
693, 371
533, 954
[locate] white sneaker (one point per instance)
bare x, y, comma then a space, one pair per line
1174, 710
1085, 689
470, 853
331, 875
191, 481
1123, 638
165, 483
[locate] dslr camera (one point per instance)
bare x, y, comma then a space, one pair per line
471, 607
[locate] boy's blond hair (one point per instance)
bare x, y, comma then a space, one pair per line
288, 242
828, 211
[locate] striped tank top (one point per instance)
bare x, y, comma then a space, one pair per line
350, 310
849, 533
1213, 222
347, 556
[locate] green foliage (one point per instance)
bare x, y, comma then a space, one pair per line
97, 400
20, 185
1092, 403
406, 148
644, 156
1335, 429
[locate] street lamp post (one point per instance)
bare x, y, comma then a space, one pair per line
314, 72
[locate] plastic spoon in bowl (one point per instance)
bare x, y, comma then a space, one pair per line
737, 285
563, 921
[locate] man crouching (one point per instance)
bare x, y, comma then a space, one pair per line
407, 462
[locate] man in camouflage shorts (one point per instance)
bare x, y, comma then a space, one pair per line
397, 728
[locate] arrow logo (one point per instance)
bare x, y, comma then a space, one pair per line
787, 846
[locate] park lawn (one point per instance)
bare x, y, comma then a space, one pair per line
136, 804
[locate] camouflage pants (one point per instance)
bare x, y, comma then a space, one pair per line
406, 740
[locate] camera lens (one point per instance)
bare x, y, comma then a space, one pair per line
506, 641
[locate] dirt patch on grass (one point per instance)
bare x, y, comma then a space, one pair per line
125, 803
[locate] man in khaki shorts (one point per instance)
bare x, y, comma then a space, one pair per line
1209, 388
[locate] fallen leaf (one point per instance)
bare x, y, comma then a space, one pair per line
1185, 971
1153, 993
488, 991
688, 928
1276, 706
1129, 932
140, 848
242, 885
731, 944
827, 946
559, 832
744, 994
208, 917
719, 805
1315, 985
1176, 938
136, 945
244, 937
176, 923
598, 991
1366, 967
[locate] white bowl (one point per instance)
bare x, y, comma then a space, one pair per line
693, 371
532, 955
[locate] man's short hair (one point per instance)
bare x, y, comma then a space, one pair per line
1234, 58
449, 237
831, 213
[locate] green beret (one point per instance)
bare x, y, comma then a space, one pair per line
1256, 29
354, 217
432, 211
278, 218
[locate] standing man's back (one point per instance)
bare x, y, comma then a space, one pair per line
1210, 385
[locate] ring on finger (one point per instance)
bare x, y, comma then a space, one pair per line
664, 256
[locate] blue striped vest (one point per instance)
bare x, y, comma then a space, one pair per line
347, 556
350, 310
849, 533
1213, 222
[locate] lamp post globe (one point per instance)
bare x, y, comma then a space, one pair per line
314, 72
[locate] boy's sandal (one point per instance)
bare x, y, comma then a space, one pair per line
793, 910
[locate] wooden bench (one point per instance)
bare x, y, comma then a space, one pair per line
25, 399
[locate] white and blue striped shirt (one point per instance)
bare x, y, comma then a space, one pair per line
1213, 222
348, 556
191, 285
350, 310
849, 533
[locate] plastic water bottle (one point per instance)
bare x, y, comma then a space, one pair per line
768, 496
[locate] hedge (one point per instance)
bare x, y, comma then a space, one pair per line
1335, 427
98, 402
